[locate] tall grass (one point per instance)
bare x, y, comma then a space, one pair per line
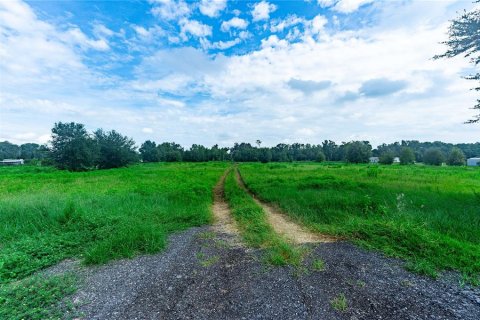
255, 228
97, 216
427, 215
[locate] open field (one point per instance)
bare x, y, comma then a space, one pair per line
427, 215
47, 216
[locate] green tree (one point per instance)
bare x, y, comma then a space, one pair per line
320, 157
456, 157
464, 39
9, 150
386, 157
407, 156
264, 155
72, 148
29, 151
358, 151
433, 156
148, 151
114, 150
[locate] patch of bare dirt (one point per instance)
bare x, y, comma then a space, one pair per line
284, 225
223, 223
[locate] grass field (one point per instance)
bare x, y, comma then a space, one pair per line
47, 216
427, 215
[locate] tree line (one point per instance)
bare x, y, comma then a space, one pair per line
73, 148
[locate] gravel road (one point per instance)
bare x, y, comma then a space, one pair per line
207, 275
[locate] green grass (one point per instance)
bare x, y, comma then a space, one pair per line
339, 303
429, 216
47, 216
255, 229
36, 298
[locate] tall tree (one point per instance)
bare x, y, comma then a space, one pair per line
114, 150
358, 151
464, 39
149, 152
72, 148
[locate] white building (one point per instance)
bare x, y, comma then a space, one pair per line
473, 162
396, 160
374, 159
11, 162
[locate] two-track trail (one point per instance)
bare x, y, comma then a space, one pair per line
205, 273
282, 224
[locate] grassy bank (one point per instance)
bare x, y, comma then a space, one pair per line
47, 215
427, 215
254, 227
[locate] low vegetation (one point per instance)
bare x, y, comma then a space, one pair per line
50, 215
426, 215
255, 228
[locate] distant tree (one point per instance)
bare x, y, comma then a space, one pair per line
407, 156
329, 148
29, 151
148, 151
72, 148
9, 150
170, 152
386, 157
464, 39
258, 142
320, 157
433, 156
456, 157
264, 155
114, 150
358, 152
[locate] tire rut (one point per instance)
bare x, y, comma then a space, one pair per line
284, 225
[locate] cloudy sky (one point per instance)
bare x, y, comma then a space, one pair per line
229, 71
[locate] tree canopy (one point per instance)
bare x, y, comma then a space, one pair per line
464, 39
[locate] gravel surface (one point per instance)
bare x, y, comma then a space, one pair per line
203, 276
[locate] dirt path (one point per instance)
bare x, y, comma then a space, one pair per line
223, 221
284, 225
204, 275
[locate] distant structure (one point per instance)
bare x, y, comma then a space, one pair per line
373, 159
12, 162
396, 160
473, 162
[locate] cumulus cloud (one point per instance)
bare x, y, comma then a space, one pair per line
235, 22
343, 6
194, 28
212, 8
309, 86
381, 87
170, 9
262, 10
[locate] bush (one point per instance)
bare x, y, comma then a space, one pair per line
456, 157
320, 157
407, 156
433, 156
386, 158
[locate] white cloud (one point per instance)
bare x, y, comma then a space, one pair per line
262, 10
222, 45
344, 6
281, 92
212, 8
282, 24
194, 28
170, 9
147, 130
235, 22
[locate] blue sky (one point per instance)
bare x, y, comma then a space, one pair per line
227, 71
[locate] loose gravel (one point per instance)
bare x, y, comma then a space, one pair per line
202, 276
